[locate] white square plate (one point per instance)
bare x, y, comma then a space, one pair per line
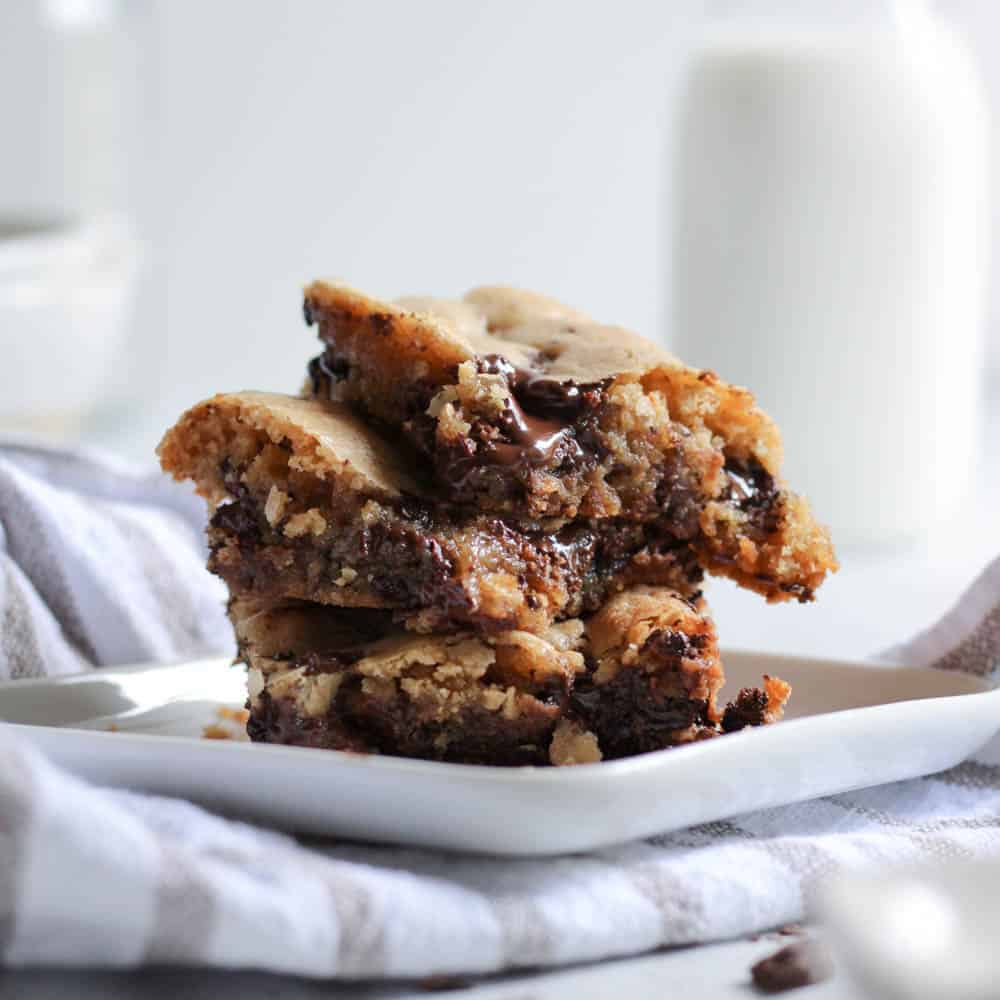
849, 726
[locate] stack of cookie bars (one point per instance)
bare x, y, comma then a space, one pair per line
479, 534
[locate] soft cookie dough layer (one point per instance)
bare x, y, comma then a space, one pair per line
527, 407
310, 503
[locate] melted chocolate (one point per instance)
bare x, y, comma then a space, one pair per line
410, 561
537, 422
560, 400
535, 440
534, 437
753, 490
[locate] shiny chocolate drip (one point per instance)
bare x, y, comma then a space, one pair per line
547, 398
753, 490
539, 414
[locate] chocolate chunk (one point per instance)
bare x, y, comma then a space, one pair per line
802, 963
679, 497
325, 371
537, 421
749, 708
629, 716
550, 397
278, 721
538, 394
670, 646
418, 571
752, 489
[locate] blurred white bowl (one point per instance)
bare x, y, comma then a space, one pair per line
919, 933
66, 292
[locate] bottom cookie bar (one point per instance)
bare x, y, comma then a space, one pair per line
641, 674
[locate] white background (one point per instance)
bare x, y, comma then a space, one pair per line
412, 147
428, 147
406, 147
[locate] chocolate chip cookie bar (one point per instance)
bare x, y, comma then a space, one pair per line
527, 408
641, 674
312, 503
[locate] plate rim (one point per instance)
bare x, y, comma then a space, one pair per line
413, 768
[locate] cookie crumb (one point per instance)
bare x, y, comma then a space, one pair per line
572, 744
239, 715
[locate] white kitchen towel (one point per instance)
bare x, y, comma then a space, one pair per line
95, 877
100, 564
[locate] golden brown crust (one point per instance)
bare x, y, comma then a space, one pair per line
777, 693
328, 442
787, 558
638, 676
489, 320
427, 338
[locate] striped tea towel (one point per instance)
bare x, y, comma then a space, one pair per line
100, 567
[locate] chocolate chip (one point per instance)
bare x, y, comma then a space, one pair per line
325, 370
752, 489
666, 645
802, 963
749, 708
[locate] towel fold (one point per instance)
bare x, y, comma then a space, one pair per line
99, 565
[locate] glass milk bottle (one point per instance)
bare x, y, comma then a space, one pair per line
829, 238
68, 249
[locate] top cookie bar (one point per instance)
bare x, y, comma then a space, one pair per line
526, 407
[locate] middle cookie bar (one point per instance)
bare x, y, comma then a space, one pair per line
312, 503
